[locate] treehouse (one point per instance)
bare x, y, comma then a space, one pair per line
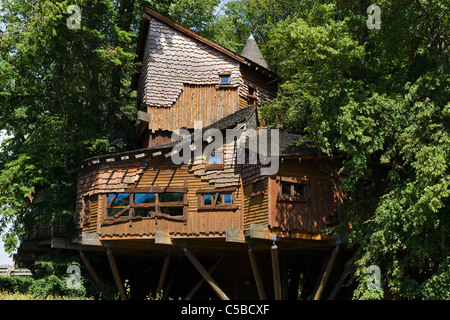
246, 217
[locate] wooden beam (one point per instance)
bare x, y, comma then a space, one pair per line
90, 268
205, 274
172, 279
276, 272
326, 274
202, 280
162, 276
143, 116
115, 271
163, 237
257, 274
259, 231
339, 283
234, 235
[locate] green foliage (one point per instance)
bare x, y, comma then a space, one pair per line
50, 279
368, 97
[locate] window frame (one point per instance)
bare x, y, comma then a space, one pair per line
156, 205
215, 193
222, 75
215, 166
293, 182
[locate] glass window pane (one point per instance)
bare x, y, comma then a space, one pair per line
224, 79
214, 159
257, 186
143, 212
113, 211
285, 188
172, 211
122, 200
207, 199
144, 198
171, 197
227, 198
299, 190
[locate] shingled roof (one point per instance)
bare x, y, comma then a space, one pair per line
288, 142
251, 51
259, 66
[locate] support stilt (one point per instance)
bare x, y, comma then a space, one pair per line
90, 268
172, 279
162, 276
326, 274
205, 274
276, 273
257, 274
115, 271
202, 280
338, 285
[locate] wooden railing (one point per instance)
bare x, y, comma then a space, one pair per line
45, 231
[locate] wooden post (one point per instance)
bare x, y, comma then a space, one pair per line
202, 280
115, 271
205, 274
162, 276
339, 283
276, 272
257, 274
172, 279
90, 268
326, 274
284, 277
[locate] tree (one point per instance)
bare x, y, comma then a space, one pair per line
377, 96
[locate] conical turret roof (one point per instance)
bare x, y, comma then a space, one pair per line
251, 51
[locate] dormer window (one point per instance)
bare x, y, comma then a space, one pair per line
224, 78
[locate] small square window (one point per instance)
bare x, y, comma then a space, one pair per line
224, 79
227, 198
257, 186
286, 189
208, 199
299, 190
214, 159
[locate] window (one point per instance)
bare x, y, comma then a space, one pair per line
216, 200
294, 190
119, 204
214, 161
146, 204
257, 188
225, 78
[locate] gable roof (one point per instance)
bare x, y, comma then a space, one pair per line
150, 13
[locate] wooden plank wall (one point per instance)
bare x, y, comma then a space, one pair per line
256, 206
204, 103
94, 209
323, 197
198, 223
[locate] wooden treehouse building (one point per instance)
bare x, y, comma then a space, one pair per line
167, 227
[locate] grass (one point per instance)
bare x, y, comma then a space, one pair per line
5, 295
